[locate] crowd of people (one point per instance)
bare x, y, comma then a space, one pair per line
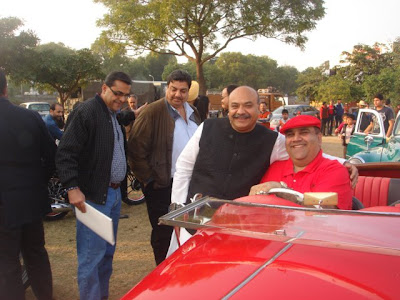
175, 152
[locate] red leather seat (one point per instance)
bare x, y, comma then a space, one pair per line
372, 191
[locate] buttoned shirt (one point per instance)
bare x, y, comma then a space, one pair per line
321, 175
118, 164
183, 131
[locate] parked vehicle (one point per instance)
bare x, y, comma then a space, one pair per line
373, 147
59, 198
293, 110
42, 108
263, 247
134, 195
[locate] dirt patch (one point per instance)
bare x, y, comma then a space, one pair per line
133, 257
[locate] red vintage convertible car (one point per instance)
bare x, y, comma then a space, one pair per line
263, 247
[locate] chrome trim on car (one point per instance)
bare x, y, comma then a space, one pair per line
256, 272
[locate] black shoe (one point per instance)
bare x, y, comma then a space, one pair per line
123, 216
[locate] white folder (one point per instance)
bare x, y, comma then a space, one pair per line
101, 224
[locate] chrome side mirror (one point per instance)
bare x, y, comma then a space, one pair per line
368, 141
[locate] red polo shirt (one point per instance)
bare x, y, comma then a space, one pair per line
321, 175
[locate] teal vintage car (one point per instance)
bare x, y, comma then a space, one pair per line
374, 146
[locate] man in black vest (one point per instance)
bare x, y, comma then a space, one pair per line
226, 156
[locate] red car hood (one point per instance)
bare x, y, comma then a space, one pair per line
214, 266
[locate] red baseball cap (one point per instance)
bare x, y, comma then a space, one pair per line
301, 121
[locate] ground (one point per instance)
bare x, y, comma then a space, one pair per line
133, 257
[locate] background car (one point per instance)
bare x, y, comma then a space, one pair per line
294, 109
42, 108
373, 147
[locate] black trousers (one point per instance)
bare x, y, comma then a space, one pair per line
324, 126
158, 201
28, 240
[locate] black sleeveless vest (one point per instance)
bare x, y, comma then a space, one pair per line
229, 163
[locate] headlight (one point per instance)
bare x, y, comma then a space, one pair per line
356, 160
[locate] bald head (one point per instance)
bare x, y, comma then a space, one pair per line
243, 108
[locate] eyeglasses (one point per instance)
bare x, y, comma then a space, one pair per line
119, 94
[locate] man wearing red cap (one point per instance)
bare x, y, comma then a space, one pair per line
306, 170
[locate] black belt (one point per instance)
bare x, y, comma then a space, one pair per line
115, 185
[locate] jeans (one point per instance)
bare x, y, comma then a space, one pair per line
29, 240
95, 255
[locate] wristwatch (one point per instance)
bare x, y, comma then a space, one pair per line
284, 185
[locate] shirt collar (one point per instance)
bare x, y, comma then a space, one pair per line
174, 112
311, 167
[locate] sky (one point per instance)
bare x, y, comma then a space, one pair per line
346, 23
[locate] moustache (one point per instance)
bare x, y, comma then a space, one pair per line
241, 116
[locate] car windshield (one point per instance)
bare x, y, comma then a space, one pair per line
330, 228
40, 107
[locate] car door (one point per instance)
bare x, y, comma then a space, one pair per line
391, 151
361, 141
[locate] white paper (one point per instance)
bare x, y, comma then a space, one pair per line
101, 224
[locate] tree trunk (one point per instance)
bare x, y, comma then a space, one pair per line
200, 79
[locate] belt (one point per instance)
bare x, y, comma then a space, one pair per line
115, 185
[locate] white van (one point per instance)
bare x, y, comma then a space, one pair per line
42, 108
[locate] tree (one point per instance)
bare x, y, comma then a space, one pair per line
15, 50
200, 29
286, 77
255, 71
309, 81
335, 87
387, 83
364, 61
64, 70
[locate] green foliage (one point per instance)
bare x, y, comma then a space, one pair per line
309, 81
335, 87
190, 28
365, 60
15, 49
386, 82
64, 70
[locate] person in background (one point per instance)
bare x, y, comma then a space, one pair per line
339, 113
284, 119
397, 109
346, 132
331, 117
306, 170
337, 130
225, 100
324, 116
27, 162
389, 105
200, 102
132, 107
159, 135
264, 113
385, 112
91, 165
55, 121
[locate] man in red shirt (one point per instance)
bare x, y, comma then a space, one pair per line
306, 170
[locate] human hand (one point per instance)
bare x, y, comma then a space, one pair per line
263, 188
353, 171
77, 199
